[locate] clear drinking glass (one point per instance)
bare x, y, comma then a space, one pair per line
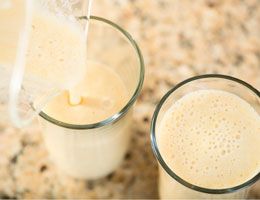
172, 186
94, 150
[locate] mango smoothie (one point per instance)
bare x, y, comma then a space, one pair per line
209, 138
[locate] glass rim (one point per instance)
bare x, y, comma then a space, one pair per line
130, 102
156, 150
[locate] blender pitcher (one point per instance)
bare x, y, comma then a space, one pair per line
27, 80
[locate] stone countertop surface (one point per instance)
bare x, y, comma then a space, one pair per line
178, 39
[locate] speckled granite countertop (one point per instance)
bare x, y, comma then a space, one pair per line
178, 39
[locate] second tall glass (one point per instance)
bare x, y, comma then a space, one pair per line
171, 184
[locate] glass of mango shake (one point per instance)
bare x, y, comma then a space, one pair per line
87, 135
205, 134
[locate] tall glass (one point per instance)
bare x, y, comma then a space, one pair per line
171, 185
92, 151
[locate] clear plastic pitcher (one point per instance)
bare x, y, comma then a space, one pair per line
37, 60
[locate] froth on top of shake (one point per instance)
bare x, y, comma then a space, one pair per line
211, 139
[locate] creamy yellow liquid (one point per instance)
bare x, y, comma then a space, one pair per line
211, 139
89, 153
12, 20
56, 51
102, 93
56, 47
54, 60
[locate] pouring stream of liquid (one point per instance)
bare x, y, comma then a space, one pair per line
74, 97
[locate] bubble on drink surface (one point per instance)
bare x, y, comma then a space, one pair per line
108, 103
